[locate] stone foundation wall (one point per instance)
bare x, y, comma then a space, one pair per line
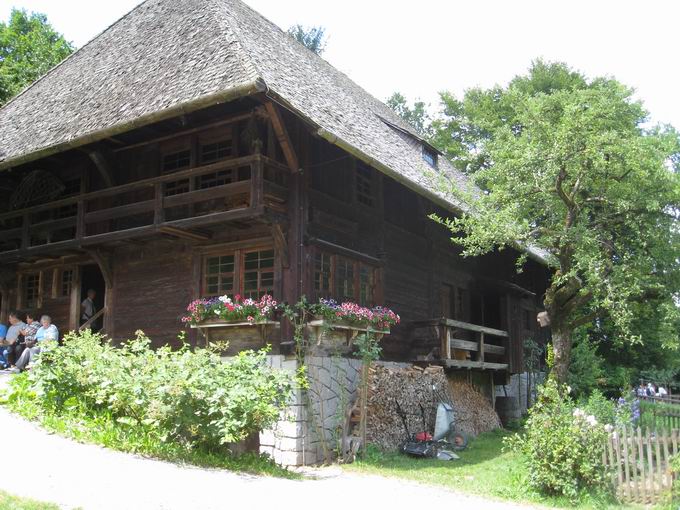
512, 399
296, 438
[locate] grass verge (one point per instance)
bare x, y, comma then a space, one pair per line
484, 469
102, 429
10, 502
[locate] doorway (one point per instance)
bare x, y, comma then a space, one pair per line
92, 279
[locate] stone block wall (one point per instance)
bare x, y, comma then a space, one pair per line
512, 399
295, 440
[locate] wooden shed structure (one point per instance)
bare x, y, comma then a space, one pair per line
193, 148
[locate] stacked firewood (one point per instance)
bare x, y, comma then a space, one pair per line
403, 400
473, 411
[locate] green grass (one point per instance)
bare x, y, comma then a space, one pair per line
484, 469
9, 502
103, 430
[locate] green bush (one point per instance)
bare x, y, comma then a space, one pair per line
562, 446
191, 397
599, 406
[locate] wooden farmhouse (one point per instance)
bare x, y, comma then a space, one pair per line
194, 149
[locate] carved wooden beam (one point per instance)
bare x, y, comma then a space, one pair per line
103, 165
103, 260
280, 244
282, 136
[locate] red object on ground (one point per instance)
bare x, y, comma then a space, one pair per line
423, 436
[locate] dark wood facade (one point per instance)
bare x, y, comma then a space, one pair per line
244, 198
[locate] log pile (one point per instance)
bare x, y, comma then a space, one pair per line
414, 392
473, 411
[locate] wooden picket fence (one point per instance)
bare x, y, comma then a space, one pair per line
640, 462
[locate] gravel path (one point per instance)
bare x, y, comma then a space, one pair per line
74, 475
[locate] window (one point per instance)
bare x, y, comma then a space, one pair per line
343, 279
258, 273
172, 163
364, 182
430, 156
32, 290
216, 151
366, 285
219, 275
66, 283
176, 161
322, 274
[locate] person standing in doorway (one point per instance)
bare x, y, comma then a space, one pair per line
87, 307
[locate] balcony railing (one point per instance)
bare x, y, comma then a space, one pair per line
486, 351
227, 190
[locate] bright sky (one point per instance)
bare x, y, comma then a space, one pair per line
422, 47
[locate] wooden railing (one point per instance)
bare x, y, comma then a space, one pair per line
92, 319
227, 190
451, 346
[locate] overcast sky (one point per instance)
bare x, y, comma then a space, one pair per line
423, 47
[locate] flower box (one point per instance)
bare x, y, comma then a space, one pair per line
241, 335
337, 337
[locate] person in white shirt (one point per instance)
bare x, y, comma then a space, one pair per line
47, 331
87, 307
661, 392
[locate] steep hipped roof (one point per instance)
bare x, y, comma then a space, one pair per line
165, 57
168, 57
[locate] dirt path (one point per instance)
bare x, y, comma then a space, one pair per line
74, 475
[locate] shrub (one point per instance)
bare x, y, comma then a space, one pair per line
193, 397
602, 408
562, 446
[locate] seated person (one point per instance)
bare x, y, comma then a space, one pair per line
47, 331
29, 334
3, 333
12, 337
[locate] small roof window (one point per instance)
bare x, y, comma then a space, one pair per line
430, 156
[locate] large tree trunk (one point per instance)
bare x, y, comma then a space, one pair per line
561, 341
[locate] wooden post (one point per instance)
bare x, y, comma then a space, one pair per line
642, 483
626, 465
74, 310
158, 211
445, 340
80, 220
480, 356
256, 183
25, 232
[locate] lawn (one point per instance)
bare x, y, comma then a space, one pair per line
483, 469
9, 502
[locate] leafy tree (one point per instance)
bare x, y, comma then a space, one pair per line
567, 165
586, 368
416, 116
313, 38
29, 47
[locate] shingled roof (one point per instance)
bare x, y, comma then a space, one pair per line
165, 58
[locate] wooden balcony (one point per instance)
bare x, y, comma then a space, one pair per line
488, 350
172, 204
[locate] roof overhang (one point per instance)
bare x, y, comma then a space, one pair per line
223, 96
